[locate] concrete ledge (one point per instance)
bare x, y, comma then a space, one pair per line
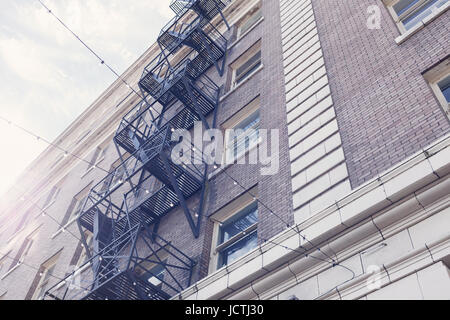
361, 203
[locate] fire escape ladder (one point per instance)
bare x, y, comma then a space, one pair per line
208, 9
128, 259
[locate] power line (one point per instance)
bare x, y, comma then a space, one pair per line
45, 214
305, 254
101, 60
22, 263
275, 214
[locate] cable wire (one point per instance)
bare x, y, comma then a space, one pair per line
22, 263
101, 60
45, 214
39, 138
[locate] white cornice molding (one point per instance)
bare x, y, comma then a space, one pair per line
413, 174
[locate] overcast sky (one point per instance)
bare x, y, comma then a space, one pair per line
47, 78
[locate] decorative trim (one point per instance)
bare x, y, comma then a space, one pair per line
408, 34
330, 223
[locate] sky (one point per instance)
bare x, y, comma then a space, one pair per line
47, 78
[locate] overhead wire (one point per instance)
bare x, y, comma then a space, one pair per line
103, 62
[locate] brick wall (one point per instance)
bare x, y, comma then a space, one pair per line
385, 109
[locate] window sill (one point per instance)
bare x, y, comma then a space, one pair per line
14, 235
242, 83
236, 238
10, 271
405, 36
242, 36
223, 167
64, 228
78, 271
47, 207
92, 168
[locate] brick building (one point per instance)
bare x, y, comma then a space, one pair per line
359, 209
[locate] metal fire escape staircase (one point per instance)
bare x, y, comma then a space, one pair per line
123, 211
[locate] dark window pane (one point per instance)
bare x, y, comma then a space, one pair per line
243, 220
403, 5
238, 249
446, 92
444, 85
245, 74
251, 21
418, 15
154, 276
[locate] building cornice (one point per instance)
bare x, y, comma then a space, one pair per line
382, 196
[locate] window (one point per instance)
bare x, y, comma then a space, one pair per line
3, 261
439, 79
52, 195
45, 274
84, 256
238, 235
76, 206
242, 132
97, 157
23, 221
444, 87
235, 230
116, 177
23, 252
409, 13
246, 65
82, 137
249, 20
152, 272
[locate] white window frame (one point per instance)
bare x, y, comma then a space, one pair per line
414, 9
436, 75
3, 260
54, 195
250, 17
246, 56
81, 260
45, 278
248, 111
20, 260
81, 198
221, 217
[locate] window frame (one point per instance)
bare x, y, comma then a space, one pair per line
220, 218
250, 16
24, 249
3, 260
436, 75
240, 117
243, 234
77, 203
241, 61
89, 236
152, 266
45, 276
399, 20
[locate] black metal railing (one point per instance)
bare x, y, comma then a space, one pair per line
124, 270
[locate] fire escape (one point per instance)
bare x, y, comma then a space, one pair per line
127, 257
